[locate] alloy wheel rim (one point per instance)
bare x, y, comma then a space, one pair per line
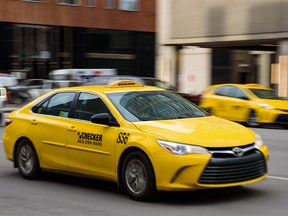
136, 176
252, 120
26, 159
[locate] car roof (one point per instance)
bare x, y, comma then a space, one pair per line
117, 86
248, 85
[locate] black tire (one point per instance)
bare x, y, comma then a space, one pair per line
137, 177
252, 120
27, 160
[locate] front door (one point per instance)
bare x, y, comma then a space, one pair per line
91, 147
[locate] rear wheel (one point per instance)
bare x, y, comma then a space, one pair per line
138, 176
252, 120
27, 160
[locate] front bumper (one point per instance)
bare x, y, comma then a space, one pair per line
273, 117
197, 171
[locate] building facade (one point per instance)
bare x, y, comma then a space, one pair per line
37, 36
204, 42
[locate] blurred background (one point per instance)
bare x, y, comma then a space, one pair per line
189, 43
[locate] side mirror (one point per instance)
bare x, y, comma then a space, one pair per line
103, 118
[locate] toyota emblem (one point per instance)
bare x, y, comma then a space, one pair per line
238, 151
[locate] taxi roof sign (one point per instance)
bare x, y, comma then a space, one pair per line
124, 83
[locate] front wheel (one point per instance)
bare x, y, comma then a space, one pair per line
27, 160
138, 176
252, 120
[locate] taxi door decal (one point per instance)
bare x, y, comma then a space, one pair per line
123, 138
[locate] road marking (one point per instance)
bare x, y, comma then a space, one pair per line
280, 178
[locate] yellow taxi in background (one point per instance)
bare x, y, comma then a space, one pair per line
143, 138
252, 104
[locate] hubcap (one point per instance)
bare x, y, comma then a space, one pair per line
26, 159
136, 176
252, 121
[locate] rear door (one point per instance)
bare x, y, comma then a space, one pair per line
238, 106
219, 102
49, 130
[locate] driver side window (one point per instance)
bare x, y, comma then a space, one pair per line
88, 105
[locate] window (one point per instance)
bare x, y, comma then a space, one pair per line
129, 5
57, 105
69, 2
265, 93
230, 91
109, 4
88, 105
90, 3
223, 91
154, 105
33, 0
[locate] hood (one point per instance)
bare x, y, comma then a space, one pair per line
280, 104
204, 131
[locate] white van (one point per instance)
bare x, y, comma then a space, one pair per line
84, 75
8, 80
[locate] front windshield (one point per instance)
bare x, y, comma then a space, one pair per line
265, 93
153, 105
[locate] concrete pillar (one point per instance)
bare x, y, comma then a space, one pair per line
264, 69
283, 68
194, 69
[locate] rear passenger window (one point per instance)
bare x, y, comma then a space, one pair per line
57, 105
223, 91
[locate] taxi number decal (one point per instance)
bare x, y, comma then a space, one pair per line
123, 137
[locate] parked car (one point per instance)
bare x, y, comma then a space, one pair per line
20, 93
7, 81
252, 104
150, 81
3, 97
49, 85
143, 138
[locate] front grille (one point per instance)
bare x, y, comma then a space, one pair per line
228, 168
282, 119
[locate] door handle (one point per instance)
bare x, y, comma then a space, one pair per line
72, 129
236, 107
34, 122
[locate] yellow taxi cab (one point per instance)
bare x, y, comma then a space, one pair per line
144, 138
252, 104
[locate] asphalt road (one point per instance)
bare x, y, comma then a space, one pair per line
63, 195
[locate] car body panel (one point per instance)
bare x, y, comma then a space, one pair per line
194, 131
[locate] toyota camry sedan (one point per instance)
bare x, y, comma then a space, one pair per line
252, 104
143, 138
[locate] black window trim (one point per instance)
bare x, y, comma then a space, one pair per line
72, 110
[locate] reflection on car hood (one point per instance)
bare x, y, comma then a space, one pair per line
204, 131
280, 104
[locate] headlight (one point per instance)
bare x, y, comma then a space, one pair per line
181, 149
259, 142
266, 106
